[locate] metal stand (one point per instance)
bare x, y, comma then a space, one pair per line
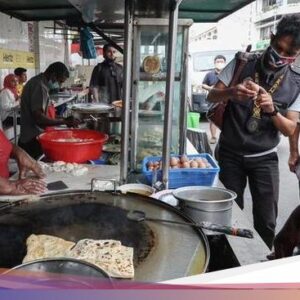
173, 22
127, 89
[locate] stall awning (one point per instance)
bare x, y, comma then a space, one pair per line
209, 10
113, 11
39, 10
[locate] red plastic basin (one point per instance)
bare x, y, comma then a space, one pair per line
78, 152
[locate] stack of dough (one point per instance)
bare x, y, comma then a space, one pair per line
61, 166
109, 255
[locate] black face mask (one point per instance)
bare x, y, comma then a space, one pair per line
277, 61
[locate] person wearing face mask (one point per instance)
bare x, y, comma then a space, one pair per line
107, 77
264, 103
210, 79
34, 108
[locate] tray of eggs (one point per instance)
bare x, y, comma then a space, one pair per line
184, 170
183, 162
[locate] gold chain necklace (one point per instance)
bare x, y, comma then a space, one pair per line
256, 112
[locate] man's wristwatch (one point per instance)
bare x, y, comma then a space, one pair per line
273, 113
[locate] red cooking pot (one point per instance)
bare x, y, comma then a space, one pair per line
72, 145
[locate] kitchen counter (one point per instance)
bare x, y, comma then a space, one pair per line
83, 182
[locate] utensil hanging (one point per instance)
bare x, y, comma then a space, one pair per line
140, 216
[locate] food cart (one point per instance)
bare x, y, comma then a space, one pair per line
151, 28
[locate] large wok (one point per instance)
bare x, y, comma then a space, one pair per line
161, 251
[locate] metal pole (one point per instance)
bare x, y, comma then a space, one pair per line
173, 22
184, 95
36, 45
126, 89
66, 46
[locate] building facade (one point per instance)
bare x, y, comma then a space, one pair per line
268, 13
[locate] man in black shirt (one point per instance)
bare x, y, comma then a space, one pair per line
255, 115
106, 80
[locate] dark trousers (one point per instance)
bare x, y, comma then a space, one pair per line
263, 177
33, 148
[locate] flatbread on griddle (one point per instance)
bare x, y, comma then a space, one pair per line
46, 246
109, 255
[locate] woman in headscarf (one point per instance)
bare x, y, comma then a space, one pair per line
8, 96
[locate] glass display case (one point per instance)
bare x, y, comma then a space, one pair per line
150, 48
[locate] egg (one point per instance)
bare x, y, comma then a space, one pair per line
201, 164
150, 165
185, 165
194, 164
184, 159
173, 161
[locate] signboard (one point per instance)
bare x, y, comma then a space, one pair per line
10, 59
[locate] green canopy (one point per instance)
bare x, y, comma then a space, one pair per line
111, 11
209, 10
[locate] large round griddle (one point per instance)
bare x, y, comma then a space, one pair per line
61, 273
161, 251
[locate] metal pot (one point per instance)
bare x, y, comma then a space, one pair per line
101, 124
203, 203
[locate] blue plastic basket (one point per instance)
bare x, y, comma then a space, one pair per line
185, 177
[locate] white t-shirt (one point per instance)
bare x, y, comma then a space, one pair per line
7, 102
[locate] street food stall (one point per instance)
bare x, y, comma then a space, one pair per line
154, 99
